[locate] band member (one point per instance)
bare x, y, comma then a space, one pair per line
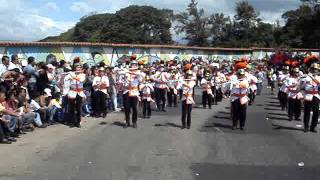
76, 94
161, 79
294, 95
131, 94
311, 97
147, 88
172, 85
100, 85
187, 99
283, 90
207, 95
252, 87
239, 99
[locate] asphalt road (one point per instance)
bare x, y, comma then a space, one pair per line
270, 148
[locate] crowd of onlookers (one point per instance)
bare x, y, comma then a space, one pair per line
34, 94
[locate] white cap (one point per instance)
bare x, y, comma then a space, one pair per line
48, 91
50, 66
24, 62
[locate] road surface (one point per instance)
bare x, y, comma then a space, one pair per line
271, 147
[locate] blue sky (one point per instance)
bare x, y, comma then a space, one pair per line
28, 20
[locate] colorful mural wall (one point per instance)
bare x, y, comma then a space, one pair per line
111, 54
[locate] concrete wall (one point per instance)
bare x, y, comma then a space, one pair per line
110, 54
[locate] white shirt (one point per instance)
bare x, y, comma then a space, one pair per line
102, 83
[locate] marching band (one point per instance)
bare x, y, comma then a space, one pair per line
161, 84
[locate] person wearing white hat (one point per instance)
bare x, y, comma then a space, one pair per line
131, 94
294, 94
100, 84
283, 90
161, 79
76, 94
310, 86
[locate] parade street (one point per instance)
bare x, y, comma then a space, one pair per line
270, 147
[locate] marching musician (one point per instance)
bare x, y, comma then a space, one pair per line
146, 88
187, 98
207, 95
283, 90
292, 83
161, 78
131, 94
76, 94
310, 85
100, 84
239, 96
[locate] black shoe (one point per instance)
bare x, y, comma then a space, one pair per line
306, 129
241, 128
188, 127
234, 128
313, 130
125, 126
210, 108
163, 110
183, 126
297, 119
11, 139
42, 126
5, 141
104, 115
144, 117
135, 125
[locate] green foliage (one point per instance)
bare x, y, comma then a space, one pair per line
134, 24
148, 25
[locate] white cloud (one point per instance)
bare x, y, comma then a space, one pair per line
81, 7
52, 6
19, 23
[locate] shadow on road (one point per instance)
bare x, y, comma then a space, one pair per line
271, 109
278, 118
168, 125
279, 127
277, 114
118, 123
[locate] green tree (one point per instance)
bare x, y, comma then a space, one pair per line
193, 24
245, 20
219, 24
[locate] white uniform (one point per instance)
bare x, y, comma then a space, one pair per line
293, 87
310, 87
76, 85
240, 90
102, 83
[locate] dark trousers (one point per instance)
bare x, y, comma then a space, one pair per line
308, 106
206, 98
75, 110
172, 98
239, 113
294, 108
186, 114
100, 102
93, 102
199, 78
161, 98
252, 96
146, 108
130, 103
214, 92
283, 98
2, 134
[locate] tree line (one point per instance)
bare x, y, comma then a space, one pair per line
149, 25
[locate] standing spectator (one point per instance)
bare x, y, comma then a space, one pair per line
5, 65
32, 73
